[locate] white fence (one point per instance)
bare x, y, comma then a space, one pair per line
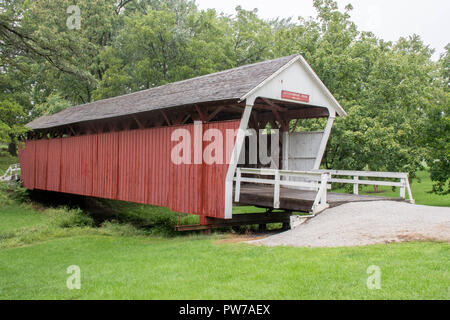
403, 178
311, 181
12, 173
319, 180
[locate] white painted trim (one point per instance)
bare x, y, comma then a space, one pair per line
288, 64
271, 172
403, 184
341, 112
373, 174
320, 202
11, 173
320, 180
276, 192
400, 184
403, 189
356, 185
335, 104
314, 185
237, 191
324, 142
285, 151
408, 187
240, 139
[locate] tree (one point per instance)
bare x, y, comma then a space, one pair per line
386, 89
395, 95
10, 124
64, 59
15, 103
252, 37
158, 44
54, 103
437, 130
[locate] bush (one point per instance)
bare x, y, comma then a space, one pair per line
19, 193
11, 192
158, 220
65, 218
4, 196
117, 229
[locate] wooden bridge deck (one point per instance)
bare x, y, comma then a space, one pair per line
298, 200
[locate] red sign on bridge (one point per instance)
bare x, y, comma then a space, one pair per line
295, 96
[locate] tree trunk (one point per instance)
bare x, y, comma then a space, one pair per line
12, 149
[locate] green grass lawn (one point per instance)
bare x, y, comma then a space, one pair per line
120, 261
199, 268
15, 216
134, 258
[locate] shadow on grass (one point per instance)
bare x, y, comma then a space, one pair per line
155, 220
158, 220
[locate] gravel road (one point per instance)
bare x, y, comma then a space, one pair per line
364, 223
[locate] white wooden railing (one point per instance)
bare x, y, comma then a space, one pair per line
319, 180
403, 178
310, 180
12, 173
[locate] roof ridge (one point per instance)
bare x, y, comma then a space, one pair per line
182, 81
239, 77
223, 71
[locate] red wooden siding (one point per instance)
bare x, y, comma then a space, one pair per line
28, 164
131, 166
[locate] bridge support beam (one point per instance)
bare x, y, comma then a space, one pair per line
240, 139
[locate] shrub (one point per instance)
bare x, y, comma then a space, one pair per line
13, 191
19, 193
4, 196
158, 220
66, 218
120, 229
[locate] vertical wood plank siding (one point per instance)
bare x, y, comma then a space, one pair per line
132, 166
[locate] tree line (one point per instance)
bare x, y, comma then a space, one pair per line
396, 96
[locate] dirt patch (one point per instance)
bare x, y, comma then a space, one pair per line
241, 238
365, 223
38, 207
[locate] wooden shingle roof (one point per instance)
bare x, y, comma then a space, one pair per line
225, 85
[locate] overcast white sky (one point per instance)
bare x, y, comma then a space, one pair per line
388, 19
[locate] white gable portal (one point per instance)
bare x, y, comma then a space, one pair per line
296, 82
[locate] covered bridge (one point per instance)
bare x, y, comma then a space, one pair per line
122, 148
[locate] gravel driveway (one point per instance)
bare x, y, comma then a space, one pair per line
364, 223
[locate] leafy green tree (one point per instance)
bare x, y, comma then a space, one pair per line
11, 123
147, 53
395, 95
252, 37
386, 88
444, 64
66, 59
54, 103
438, 141
15, 103
436, 135
159, 44
209, 48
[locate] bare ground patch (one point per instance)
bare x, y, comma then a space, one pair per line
235, 238
365, 223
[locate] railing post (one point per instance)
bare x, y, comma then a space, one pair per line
276, 191
403, 188
408, 188
324, 182
356, 185
237, 191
